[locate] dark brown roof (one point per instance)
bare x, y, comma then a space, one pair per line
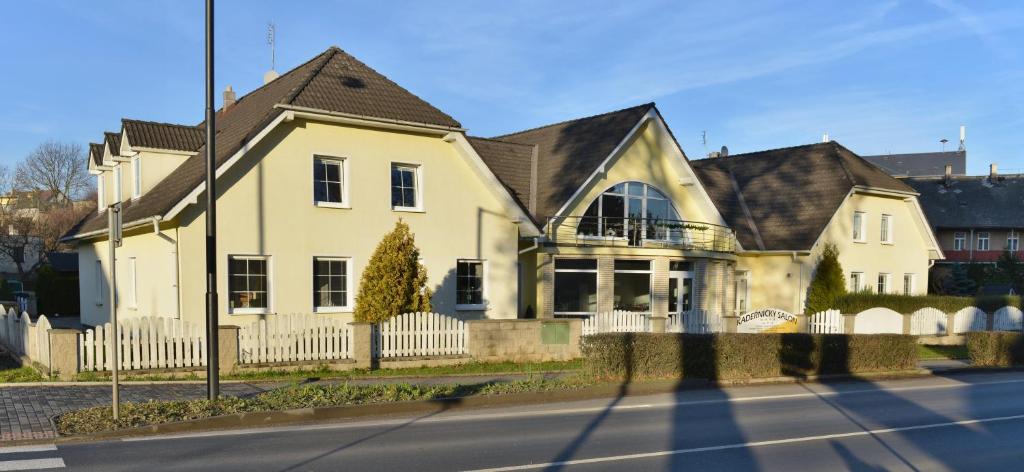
113, 141
921, 164
150, 134
569, 152
512, 163
332, 81
96, 153
782, 199
972, 202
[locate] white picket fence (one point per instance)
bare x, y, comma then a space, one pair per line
1007, 318
419, 334
826, 322
21, 336
617, 321
969, 319
695, 322
145, 343
929, 322
294, 337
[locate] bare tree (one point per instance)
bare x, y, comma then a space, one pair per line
57, 167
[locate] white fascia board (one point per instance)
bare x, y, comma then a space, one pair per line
468, 152
193, 196
138, 149
369, 121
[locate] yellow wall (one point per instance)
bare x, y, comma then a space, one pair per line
266, 208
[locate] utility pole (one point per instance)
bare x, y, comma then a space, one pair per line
113, 242
212, 324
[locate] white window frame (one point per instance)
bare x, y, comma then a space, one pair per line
343, 162
909, 283
860, 227
884, 283
117, 183
483, 287
270, 286
856, 281
101, 197
98, 273
597, 285
418, 189
886, 229
986, 237
959, 240
650, 280
349, 285
136, 177
133, 285
1013, 241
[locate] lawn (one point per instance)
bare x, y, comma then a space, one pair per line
930, 352
12, 371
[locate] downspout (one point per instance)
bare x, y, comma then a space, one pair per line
536, 244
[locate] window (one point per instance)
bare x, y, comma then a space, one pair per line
883, 283
405, 187
133, 299
248, 284
331, 284
959, 241
632, 289
575, 286
856, 281
101, 201
99, 283
469, 285
983, 241
136, 177
886, 235
858, 226
117, 184
1012, 242
908, 284
742, 291
329, 182
631, 209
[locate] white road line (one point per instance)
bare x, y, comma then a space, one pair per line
28, 448
563, 411
32, 464
773, 442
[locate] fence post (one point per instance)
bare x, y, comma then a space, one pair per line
729, 323
990, 321
951, 323
576, 335
802, 323
849, 322
657, 324
227, 348
907, 322
64, 353
362, 344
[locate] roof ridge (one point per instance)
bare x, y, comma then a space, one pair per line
752, 153
295, 91
648, 104
842, 165
502, 141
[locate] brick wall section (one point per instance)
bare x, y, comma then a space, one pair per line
605, 284
520, 341
546, 291
659, 287
700, 284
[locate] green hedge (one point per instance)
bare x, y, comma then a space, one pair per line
628, 356
906, 304
995, 349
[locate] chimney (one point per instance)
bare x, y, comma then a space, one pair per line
724, 152
949, 174
963, 138
229, 98
270, 76
993, 171
824, 137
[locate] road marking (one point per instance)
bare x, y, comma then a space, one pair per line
32, 464
28, 448
552, 412
773, 442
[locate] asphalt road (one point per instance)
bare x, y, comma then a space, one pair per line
959, 422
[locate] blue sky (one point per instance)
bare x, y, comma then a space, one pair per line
887, 76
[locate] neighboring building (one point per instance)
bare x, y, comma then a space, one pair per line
922, 164
976, 218
584, 216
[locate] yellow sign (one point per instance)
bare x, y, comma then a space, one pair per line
769, 320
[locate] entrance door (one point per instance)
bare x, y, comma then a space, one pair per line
680, 292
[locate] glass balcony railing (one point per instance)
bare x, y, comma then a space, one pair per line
641, 232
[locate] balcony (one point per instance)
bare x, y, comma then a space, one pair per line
641, 233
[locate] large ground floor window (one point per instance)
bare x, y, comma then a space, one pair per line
575, 286
633, 285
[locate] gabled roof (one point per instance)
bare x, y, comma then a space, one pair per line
921, 164
96, 153
512, 163
333, 82
150, 134
568, 153
113, 142
782, 199
972, 202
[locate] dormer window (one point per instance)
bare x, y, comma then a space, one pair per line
631, 210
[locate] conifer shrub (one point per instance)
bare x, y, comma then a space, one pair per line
828, 283
394, 281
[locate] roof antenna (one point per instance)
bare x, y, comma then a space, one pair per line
704, 140
272, 42
963, 138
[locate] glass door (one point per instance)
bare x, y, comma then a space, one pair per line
680, 292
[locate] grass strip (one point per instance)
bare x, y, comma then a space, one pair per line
12, 371
933, 352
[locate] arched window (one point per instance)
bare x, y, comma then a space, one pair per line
631, 210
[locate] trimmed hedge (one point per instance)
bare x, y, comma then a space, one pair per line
630, 356
995, 349
906, 304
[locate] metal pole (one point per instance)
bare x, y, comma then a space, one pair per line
115, 344
212, 361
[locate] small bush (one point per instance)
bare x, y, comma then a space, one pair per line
906, 304
828, 283
394, 281
629, 356
995, 349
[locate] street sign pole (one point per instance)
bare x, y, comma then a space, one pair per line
114, 241
212, 323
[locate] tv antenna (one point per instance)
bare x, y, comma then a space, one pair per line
271, 33
704, 140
